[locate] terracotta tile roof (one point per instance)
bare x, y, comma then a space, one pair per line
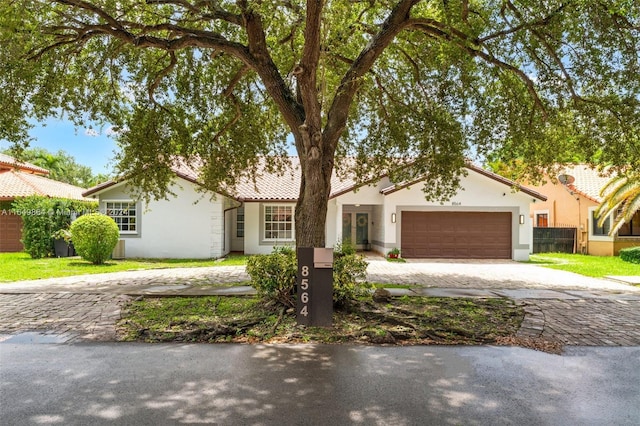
188, 171
266, 186
9, 163
269, 186
470, 166
20, 184
588, 181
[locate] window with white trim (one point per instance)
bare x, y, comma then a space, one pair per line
124, 213
597, 229
278, 222
542, 220
240, 223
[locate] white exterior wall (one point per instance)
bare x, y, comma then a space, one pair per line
253, 241
181, 228
479, 194
333, 224
252, 220
190, 225
376, 231
366, 199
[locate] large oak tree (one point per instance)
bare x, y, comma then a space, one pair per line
232, 83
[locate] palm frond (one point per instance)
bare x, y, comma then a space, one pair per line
621, 197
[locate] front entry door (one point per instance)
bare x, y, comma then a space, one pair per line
355, 229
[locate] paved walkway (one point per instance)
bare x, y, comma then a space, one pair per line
560, 306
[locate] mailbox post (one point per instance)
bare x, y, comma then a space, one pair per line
315, 287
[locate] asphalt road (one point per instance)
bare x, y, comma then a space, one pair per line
144, 384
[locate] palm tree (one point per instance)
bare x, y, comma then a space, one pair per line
621, 195
43, 158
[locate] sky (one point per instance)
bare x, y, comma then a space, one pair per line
89, 147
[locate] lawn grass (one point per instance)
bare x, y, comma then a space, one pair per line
591, 266
20, 266
403, 320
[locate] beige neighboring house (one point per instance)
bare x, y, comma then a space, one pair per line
22, 180
572, 201
485, 219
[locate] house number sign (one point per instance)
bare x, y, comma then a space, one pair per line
304, 291
314, 304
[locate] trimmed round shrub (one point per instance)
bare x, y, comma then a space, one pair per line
631, 254
94, 237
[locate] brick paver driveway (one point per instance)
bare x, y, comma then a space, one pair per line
560, 306
484, 274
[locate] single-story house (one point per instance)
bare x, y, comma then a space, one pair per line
18, 179
572, 198
485, 219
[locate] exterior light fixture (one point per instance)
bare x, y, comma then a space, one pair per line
521, 219
393, 218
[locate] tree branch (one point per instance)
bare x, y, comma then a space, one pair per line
161, 75
338, 112
440, 31
524, 25
263, 64
306, 75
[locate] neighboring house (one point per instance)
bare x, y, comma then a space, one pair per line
572, 204
22, 180
485, 219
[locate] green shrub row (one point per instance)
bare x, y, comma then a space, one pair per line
274, 275
631, 254
42, 217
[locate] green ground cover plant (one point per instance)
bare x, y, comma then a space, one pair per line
631, 254
403, 320
20, 266
591, 266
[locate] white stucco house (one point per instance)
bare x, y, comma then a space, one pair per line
485, 219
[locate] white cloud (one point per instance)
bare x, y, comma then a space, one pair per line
112, 130
91, 132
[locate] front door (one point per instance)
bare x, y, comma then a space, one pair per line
355, 229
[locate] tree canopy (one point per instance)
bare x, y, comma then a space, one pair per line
62, 167
232, 83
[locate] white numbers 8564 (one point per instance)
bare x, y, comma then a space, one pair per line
304, 296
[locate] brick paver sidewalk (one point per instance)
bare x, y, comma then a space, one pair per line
70, 316
583, 322
87, 307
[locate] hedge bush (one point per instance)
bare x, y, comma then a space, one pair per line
94, 237
631, 254
349, 275
274, 275
44, 216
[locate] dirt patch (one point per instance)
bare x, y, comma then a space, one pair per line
390, 321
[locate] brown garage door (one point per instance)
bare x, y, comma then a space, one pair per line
10, 232
456, 235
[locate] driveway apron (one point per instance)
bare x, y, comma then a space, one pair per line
560, 306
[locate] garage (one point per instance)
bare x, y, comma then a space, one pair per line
456, 235
10, 232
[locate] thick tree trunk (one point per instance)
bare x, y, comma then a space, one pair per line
315, 187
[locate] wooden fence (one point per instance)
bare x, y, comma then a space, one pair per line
554, 240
